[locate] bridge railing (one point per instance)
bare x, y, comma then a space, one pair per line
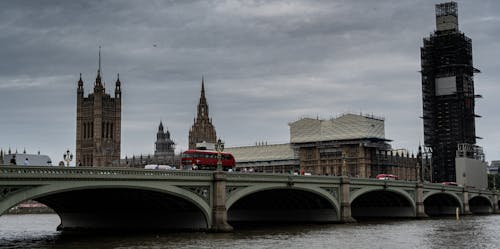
47, 171
264, 177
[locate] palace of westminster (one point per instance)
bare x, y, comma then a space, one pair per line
350, 144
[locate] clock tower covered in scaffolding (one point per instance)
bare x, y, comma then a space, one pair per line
447, 92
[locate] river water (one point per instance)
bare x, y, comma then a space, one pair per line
39, 231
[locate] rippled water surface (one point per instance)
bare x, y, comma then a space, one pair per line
39, 231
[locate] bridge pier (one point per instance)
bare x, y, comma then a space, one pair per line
345, 202
495, 203
466, 208
219, 211
419, 201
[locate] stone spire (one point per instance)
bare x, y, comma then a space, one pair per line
202, 129
202, 104
98, 82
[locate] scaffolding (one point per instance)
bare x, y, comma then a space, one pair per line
447, 95
446, 9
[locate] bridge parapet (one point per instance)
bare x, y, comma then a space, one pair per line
90, 172
242, 177
374, 182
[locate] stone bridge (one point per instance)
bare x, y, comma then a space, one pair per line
124, 198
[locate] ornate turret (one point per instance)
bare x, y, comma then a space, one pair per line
118, 91
80, 86
164, 145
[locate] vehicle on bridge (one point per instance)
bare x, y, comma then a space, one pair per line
158, 166
387, 177
206, 160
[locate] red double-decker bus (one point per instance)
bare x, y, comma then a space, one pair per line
206, 160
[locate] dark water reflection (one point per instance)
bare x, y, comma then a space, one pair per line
38, 231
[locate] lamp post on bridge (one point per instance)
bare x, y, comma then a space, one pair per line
219, 146
68, 156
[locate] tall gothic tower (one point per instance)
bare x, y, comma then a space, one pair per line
447, 92
202, 129
98, 124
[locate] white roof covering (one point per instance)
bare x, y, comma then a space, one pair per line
347, 126
34, 160
262, 153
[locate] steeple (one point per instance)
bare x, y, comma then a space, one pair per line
80, 86
98, 83
202, 86
202, 129
160, 127
118, 87
99, 69
202, 105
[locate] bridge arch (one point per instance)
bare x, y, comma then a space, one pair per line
438, 203
125, 206
279, 203
373, 202
480, 204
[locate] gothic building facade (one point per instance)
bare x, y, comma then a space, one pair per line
202, 129
98, 124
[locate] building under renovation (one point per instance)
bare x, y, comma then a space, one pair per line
350, 145
447, 92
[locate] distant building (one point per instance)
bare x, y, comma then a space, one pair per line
164, 153
202, 129
33, 159
351, 145
494, 167
141, 160
98, 124
164, 146
275, 158
448, 96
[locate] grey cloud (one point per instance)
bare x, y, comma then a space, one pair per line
266, 63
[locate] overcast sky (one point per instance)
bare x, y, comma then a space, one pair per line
266, 63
